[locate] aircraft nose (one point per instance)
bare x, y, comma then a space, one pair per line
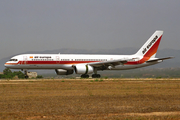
6, 64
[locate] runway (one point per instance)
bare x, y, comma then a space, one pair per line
90, 99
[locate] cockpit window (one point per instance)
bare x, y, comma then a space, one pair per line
13, 60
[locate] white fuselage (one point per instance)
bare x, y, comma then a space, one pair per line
66, 61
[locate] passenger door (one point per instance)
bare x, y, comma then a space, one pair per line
57, 60
25, 60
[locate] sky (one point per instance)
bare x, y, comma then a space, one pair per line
39, 25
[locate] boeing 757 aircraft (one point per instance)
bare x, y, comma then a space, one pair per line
85, 64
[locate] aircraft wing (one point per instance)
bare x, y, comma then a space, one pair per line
105, 64
155, 60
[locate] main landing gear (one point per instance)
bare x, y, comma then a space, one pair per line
96, 75
84, 76
93, 76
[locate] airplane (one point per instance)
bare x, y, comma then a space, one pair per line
85, 64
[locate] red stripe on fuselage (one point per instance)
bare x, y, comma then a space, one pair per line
52, 62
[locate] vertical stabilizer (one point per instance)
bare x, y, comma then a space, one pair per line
150, 48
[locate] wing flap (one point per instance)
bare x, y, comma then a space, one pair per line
108, 63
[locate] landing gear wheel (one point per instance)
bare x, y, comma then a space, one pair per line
26, 76
96, 76
84, 76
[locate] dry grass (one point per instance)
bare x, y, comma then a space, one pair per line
90, 99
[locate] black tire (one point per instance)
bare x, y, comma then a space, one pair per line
26, 76
96, 76
84, 76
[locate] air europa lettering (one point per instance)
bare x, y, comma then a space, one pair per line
153, 41
42, 57
144, 50
150, 44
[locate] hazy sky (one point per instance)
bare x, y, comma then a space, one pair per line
38, 25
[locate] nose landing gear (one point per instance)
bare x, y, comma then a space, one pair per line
25, 74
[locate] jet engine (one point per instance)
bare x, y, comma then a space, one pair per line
83, 69
63, 72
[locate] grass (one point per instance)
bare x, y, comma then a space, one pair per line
78, 99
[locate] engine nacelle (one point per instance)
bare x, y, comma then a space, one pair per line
63, 72
83, 69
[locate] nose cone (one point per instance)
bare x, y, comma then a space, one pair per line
6, 64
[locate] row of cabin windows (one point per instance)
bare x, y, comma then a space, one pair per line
84, 59
65, 59
70, 59
42, 59
90, 59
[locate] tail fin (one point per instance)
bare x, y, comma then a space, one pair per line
149, 49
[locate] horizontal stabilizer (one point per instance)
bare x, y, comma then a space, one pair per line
155, 60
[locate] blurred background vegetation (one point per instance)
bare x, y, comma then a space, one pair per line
8, 74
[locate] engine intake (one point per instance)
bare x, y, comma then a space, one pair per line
84, 69
63, 72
